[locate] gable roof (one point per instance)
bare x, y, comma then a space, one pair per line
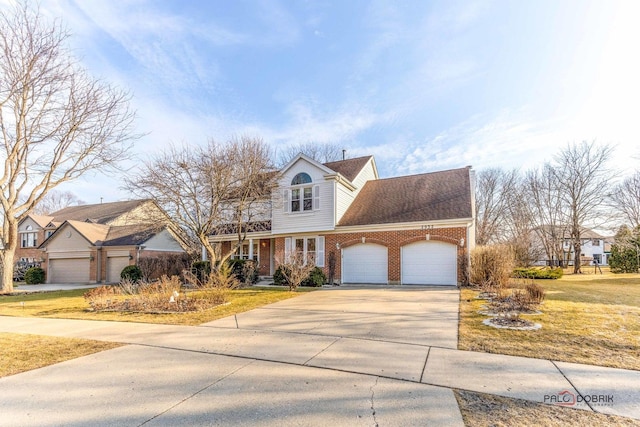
102, 213
92, 232
349, 168
425, 197
41, 220
127, 235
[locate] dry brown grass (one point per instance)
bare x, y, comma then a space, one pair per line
72, 305
480, 410
21, 352
587, 318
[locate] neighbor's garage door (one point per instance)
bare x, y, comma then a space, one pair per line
69, 270
115, 266
429, 263
365, 263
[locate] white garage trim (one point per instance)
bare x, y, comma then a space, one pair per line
365, 263
429, 263
68, 270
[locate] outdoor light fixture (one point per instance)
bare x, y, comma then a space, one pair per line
337, 245
428, 237
462, 242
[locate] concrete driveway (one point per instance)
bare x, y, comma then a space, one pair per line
333, 357
409, 315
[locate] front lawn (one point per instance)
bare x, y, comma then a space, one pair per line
22, 352
72, 305
588, 318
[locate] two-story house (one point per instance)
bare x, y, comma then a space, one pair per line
93, 243
412, 229
593, 248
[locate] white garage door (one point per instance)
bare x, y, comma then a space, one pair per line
429, 263
115, 266
69, 270
365, 263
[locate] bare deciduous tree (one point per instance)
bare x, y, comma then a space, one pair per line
322, 153
582, 176
548, 211
56, 122
56, 200
493, 189
295, 267
625, 198
211, 189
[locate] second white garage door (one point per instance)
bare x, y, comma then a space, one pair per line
429, 263
115, 266
69, 270
365, 263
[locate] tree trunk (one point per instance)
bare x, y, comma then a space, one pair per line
10, 239
577, 253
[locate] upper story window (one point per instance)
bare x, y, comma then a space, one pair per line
303, 196
29, 240
301, 178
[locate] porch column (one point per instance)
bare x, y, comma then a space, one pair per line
251, 249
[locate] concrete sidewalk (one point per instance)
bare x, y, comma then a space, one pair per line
341, 358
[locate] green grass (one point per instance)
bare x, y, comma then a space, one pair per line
72, 305
587, 318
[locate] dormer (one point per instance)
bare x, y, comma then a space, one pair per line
312, 196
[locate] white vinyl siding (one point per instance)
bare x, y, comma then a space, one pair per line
429, 263
319, 219
365, 263
163, 242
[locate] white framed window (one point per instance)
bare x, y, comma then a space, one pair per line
29, 240
303, 196
310, 248
245, 251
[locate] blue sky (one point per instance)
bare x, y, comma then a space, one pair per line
422, 85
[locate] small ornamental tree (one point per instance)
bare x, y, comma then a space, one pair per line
295, 268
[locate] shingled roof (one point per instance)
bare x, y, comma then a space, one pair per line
425, 197
102, 213
349, 168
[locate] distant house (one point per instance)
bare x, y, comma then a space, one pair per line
93, 243
412, 229
594, 248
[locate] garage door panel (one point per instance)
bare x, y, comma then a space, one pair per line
365, 263
69, 270
114, 268
429, 263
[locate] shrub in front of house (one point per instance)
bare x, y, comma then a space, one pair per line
316, 278
491, 266
245, 270
131, 273
538, 273
201, 269
34, 276
279, 279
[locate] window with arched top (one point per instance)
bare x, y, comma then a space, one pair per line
303, 195
301, 178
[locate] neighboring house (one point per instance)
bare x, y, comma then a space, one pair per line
93, 243
593, 248
406, 230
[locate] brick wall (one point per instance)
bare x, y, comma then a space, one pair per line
393, 240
